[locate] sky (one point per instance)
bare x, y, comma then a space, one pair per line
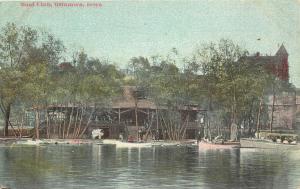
119, 30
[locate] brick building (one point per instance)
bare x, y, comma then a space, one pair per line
276, 64
286, 112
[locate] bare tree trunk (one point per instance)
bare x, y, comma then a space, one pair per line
184, 126
209, 130
187, 124
59, 129
157, 129
22, 125
64, 127
250, 117
273, 109
80, 123
50, 125
18, 127
136, 118
60, 123
234, 105
75, 125
47, 125
37, 124
171, 125
70, 121
87, 125
164, 125
150, 125
6, 113
6, 117
54, 125
258, 114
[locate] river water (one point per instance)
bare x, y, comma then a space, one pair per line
105, 166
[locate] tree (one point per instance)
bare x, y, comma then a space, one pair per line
10, 84
15, 44
164, 83
232, 84
88, 87
25, 52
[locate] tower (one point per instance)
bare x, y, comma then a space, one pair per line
282, 69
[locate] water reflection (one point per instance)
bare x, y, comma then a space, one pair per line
104, 166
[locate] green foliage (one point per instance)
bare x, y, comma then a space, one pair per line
232, 84
217, 76
90, 81
36, 85
26, 58
10, 83
92, 87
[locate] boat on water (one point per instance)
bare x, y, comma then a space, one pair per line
110, 141
54, 141
164, 143
31, 142
219, 142
268, 140
136, 144
267, 144
218, 145
121, 144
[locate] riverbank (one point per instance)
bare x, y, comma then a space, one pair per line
91, 141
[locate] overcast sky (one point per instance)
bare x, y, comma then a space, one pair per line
121, 30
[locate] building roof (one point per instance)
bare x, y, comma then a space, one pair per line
267, 59
281, 51
142, 104
128, 101
263, 59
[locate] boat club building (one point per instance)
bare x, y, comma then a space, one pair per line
131, 115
